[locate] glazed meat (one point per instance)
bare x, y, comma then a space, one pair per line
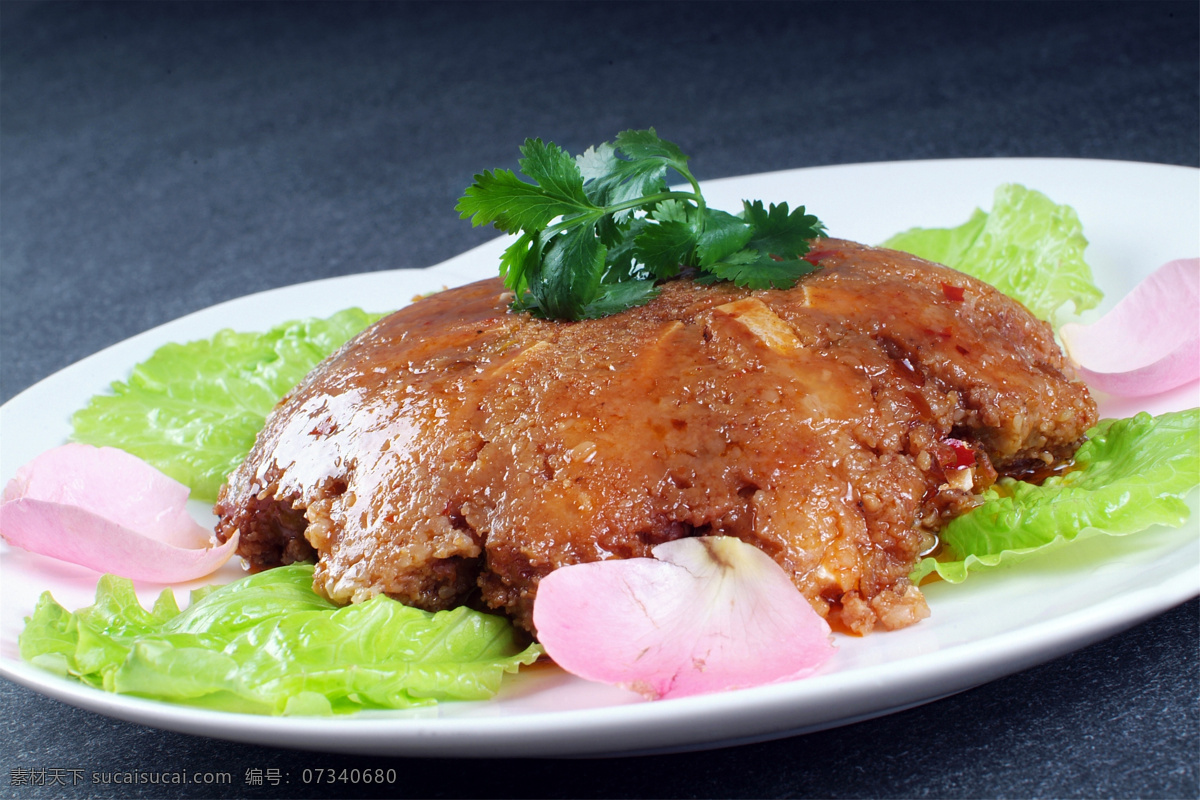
457, 452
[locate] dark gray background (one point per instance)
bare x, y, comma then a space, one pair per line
158, 158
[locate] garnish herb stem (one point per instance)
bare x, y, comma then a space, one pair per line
616, 208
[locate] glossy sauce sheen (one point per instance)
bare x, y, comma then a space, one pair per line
457, 452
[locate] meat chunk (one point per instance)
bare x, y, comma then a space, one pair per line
458, 452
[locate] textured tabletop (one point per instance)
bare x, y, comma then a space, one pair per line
156, 159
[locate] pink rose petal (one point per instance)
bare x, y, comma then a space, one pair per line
1150, 341
706, 614
103, 508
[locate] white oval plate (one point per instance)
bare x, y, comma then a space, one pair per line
1137, 216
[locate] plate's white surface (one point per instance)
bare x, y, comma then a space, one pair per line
1136, 216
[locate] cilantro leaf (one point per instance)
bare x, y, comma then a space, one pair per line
646, 145
753, 269
779, 233
555, 172
723, 235
506, 201
511, 204
613, 298
670, 211
662, 248
515, 263
610, 180
619, 261
568, 277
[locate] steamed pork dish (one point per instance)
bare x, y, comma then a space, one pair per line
457, 452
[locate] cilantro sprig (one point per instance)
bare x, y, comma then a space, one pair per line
597, 232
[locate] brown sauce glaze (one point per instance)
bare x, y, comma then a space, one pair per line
457, 450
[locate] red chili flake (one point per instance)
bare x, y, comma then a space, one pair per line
953, 293
944, 333
962, 349
964, 456
816, 255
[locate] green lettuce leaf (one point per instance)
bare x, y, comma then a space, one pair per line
1027, 247
1129, 475
268, 644
193, 410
